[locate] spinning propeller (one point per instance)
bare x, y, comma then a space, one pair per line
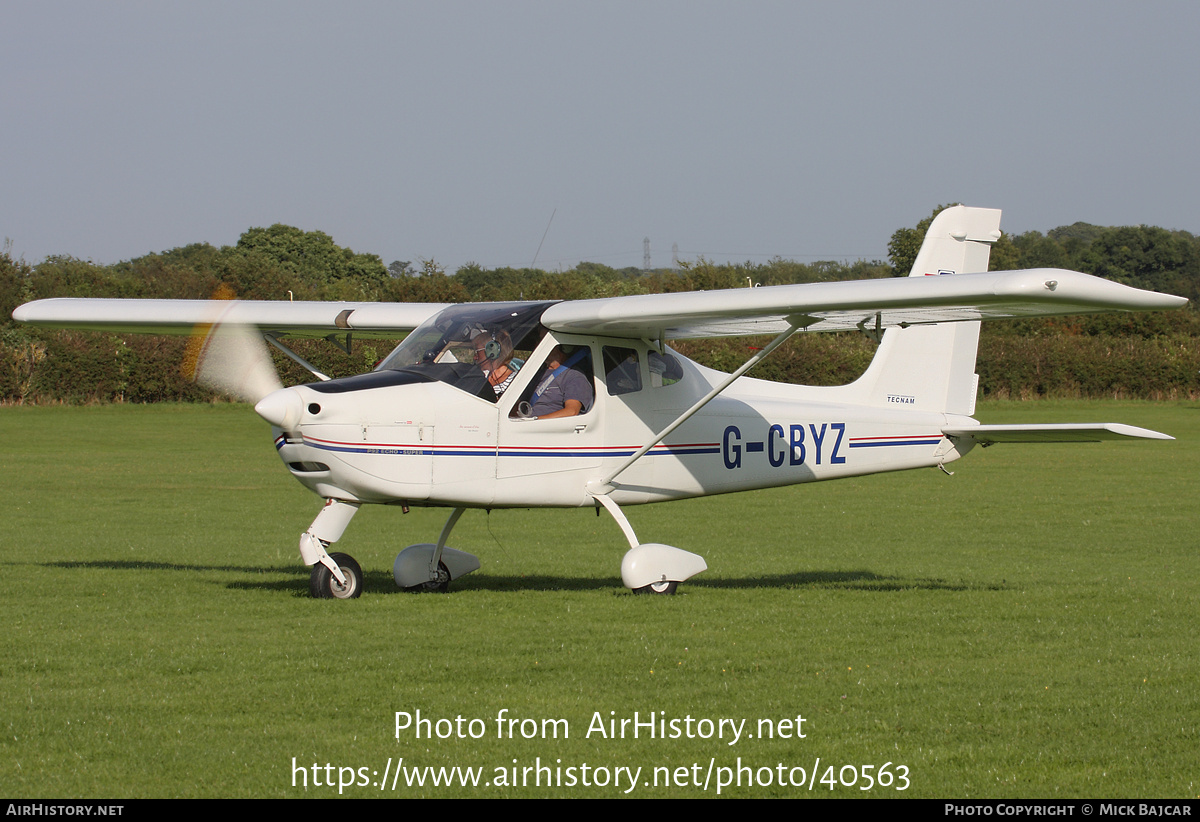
232, 359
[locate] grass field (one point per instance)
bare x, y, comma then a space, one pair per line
1026, 628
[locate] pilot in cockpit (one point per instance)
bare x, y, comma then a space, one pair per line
493, 355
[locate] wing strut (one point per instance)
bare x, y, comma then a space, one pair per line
597, 488
292, 355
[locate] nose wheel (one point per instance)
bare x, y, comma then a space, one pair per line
324, 585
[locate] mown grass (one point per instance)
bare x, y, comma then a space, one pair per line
1024, 628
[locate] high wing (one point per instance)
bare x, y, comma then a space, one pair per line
313, 319
863, 304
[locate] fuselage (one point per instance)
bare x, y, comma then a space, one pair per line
409, 442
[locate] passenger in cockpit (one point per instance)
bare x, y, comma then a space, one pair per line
562, 390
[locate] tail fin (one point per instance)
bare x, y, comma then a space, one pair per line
932, 367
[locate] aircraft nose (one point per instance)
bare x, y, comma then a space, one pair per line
281, 408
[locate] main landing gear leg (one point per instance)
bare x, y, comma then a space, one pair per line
335, 576
651, 567
439, 574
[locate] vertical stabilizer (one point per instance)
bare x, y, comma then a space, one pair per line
932, 367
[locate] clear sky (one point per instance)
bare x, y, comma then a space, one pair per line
453, 130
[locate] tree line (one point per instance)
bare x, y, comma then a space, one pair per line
1155, 355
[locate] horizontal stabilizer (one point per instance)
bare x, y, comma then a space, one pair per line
1066, 432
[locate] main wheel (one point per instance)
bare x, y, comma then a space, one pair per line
324, 585
663, 588
438, 586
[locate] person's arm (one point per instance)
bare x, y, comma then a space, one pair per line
571, 408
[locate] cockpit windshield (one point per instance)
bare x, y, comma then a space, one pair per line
466, 344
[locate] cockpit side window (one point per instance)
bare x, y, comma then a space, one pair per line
622, 370
665, 368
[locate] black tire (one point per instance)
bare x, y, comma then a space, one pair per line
324, 585
665, 589
433, 587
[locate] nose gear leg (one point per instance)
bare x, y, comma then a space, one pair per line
327, 528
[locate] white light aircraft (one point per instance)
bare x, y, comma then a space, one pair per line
427, 426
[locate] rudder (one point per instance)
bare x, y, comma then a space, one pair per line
932, 367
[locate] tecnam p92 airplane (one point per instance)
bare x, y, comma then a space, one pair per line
429, 427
